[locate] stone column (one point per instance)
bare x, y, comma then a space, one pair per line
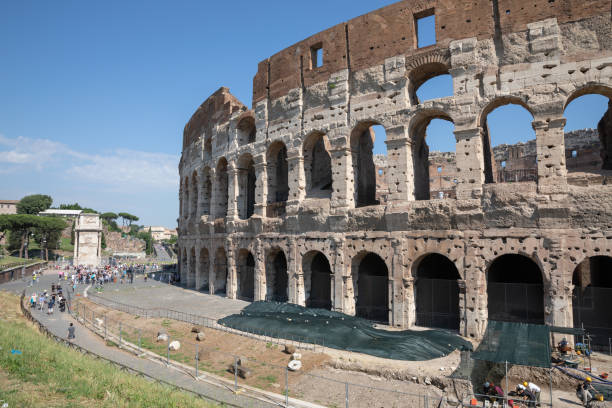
261, 185
232, 192
297, 180
260, 271
343, 177
198, 270
292, 272
470, 159
396, 287
400, 176
550, 145
232, 275
476, 314
213, 195
409, 309
337, 269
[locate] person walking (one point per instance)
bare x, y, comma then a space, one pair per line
71, 329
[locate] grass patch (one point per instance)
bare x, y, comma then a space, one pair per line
15, 261
65, 244
48, 374
269, 379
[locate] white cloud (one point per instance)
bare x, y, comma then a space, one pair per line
120, 170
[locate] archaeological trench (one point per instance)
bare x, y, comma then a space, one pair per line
287, 202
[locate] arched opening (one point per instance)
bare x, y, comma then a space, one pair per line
186, 198
277, 279
206, 192
429, 81
183, 268
278, 179
509, 144
246, 131
246, 275
194, 196
588, 132
592, 299
207, 149
222, 189
191, 278
246, 186
437, 292
515, 290
317, 280
369, 159
433, 156
220, 272
371, 287
317, 166
204, 270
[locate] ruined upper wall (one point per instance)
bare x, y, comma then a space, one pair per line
369, 39
216, 109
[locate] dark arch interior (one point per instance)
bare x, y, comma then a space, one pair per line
437, 293
220, 273
246, 277
320, 283
278, 279
364, 169
372, 289
204, 266
592, 299
515, 290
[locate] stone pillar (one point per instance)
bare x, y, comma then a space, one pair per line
260, 271
297, 180
337, 269
396, 287
213, 195
409, 309
470, 163
232, 192
400, 176
261, 185
474, 322
343, 177
292, 272
550, 145
231, 288
198, 270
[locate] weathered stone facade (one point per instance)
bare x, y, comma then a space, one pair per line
259, 220
87, 240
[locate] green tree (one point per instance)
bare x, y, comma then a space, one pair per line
127, 218
33, 204
20, 226
103, 241
74, 206
49, 232
109, 216
148, 239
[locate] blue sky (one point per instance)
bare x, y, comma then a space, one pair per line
94, 95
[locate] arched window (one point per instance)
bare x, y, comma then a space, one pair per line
246, 275
429, 81
246, 186
206, 191
278, 179
204, 270
433, 156
317, 280
220, 268
515, 290
371, 287
509, 143
246, 131
437, 292
222, 189
277, 279
191, 277
194, 196
369, 159
186, 198
317, 166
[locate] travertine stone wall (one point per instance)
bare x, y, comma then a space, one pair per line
538, 55
87, 240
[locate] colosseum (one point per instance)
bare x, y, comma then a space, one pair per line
287, 201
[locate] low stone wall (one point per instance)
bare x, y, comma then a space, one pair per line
18, 272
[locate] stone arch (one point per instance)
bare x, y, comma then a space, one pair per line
277, 276
206, 191
436, 292
186, 198
317, 165
590, 88
362, 159
204, 283
420, 150
246, 130
515, 289
220, 268
191, 277
193, 205
370, 276
491, 168
245, 275
246, 186
592, 298
278, 177
317, 280
222, 190
428, 68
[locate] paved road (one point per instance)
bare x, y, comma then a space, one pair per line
58, 324
162, 254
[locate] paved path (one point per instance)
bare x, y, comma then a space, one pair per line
58, 324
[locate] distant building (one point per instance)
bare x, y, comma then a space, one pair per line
8, 206
61, 213
160, 233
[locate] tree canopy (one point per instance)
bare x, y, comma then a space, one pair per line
33, 204
109, 216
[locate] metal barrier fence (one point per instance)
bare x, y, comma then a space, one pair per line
236, 371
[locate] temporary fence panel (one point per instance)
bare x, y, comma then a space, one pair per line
344, 332
437, 303
592, 308
516, 302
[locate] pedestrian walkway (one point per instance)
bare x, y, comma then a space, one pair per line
58, 324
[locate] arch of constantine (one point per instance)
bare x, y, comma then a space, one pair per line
284, 201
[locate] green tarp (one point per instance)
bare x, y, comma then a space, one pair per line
517, 343
576, 331
343, 332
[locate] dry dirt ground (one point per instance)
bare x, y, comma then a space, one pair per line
373, 382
